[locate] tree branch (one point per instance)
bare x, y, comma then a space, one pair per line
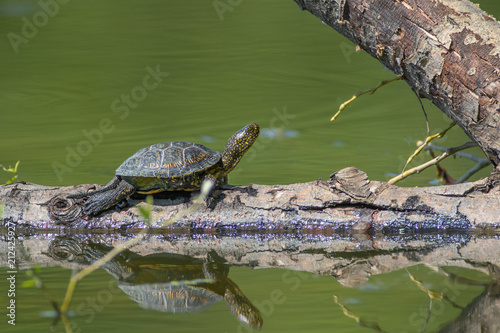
447, 50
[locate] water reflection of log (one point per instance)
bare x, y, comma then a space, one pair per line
347, 201
351, 259
165, 282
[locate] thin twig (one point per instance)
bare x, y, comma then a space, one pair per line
418, 169
423, 109
359, 93
471, 171
427, 140
469, 144
481, 163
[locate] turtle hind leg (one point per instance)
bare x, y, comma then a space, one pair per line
102, 200
111, 185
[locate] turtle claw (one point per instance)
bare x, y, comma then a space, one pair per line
91, 207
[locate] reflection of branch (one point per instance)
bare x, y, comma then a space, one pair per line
433, 295
448, 152
354, 316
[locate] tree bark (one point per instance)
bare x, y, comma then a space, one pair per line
446, 50
348, 202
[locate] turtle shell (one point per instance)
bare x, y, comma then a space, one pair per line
169, 166
175, 297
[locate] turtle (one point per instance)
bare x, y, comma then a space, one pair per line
170, 166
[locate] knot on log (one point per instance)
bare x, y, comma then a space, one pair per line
64, 209
353, 182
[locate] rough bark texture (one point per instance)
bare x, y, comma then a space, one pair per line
348, 201
447, 50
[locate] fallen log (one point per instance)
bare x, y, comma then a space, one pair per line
347, 202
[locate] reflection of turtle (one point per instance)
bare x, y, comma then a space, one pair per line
188, 287
170, 166
163, 281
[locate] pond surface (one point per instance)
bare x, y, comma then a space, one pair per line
100, 80
282, 284
93, 81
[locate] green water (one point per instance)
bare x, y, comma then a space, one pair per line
288, 301
264, 62
64, 114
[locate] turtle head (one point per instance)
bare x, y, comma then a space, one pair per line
237, 145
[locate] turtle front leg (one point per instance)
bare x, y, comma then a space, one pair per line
99, 201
